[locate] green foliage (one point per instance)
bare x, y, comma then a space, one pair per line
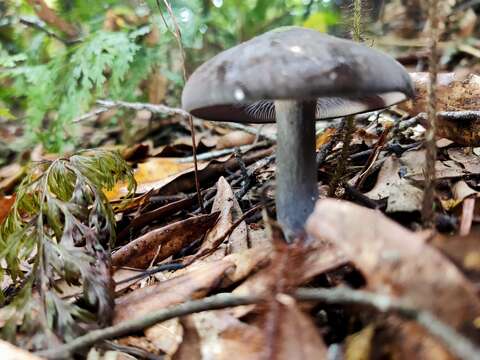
60, 230
47, 83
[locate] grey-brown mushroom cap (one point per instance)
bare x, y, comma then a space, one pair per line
293, 63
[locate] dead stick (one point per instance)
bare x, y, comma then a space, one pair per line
458, 345
430, 134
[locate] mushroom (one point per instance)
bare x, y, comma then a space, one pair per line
295, 76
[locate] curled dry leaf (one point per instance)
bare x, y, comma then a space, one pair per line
454, 93
460, 191
191, 285
149, 174
461, 164
469, 161
161, 243
227, 205
399, 191
179, 177
245, 262
396, 260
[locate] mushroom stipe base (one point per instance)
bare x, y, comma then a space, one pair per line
296, 178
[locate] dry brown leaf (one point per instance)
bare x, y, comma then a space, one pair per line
227, 205
10, 176
460, 191
246, 262
166, 336
10, 352
405, 340
454, 93
190, 348
319, 258
413, 164
179, 181
149, 175
464, 251
191, 285
235, 139
324, 137
400, 193
161, 243
470, 162
48, 15
316, 258
6, 202
296, 336
224, 337
397, 261
358, 346
139, 342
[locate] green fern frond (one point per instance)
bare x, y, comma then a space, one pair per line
61, 227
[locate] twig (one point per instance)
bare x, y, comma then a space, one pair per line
456, 343
156, 109
430, 145
177, 34
357, 21
40, 25
218, 153
367, 169
152, 271
220, 301
459, 345
92, 114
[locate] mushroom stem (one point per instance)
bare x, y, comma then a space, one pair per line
296, 190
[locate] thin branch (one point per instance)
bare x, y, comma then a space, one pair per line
156, 109
458, 345
92, 114
41, 26
215, 302
430, 134
222, 152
